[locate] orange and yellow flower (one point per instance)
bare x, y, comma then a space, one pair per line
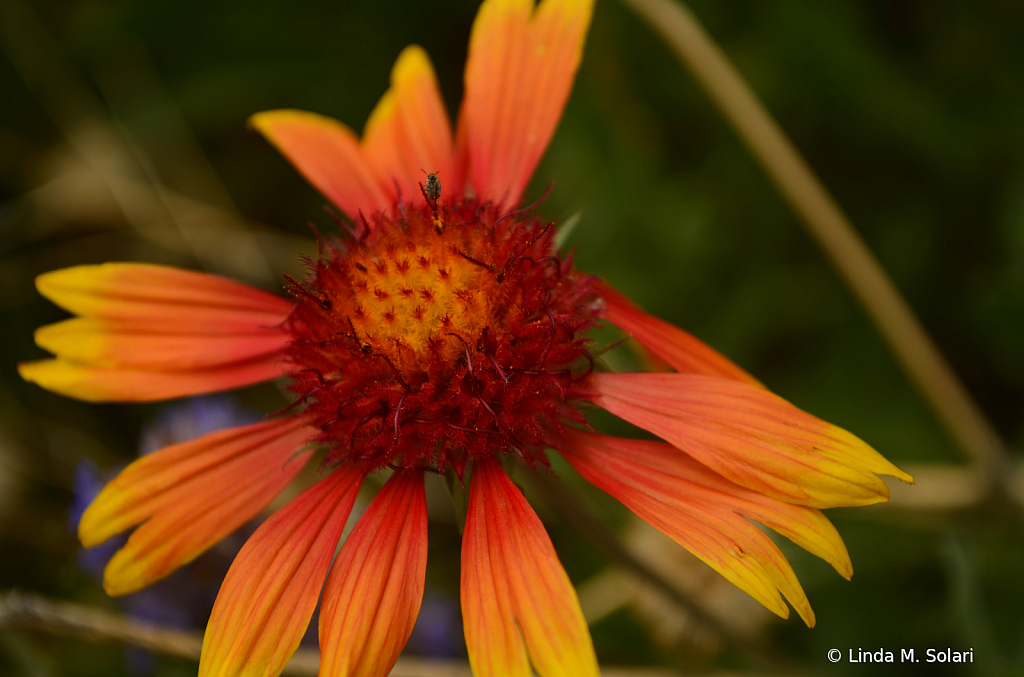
443, 333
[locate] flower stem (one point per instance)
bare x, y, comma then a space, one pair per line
28, 610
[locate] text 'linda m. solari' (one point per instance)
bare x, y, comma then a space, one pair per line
910, 656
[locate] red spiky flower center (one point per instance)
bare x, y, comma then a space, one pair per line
442, 336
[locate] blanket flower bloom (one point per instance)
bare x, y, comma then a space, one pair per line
444, 333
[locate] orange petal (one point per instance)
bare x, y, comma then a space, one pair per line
151, 332
516, 598
408, 133
189, 498
327, 153
518, 75
707, 515
115, 343
375, 587
752, 437
181, 472
98, 384
684, 352
271, 589
163, 299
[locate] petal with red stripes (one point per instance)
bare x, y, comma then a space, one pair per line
98, 384
148, 332
188, 496
751, 436
521, 64
518, 606
328, 155
163, 298
375, 587
165, 478
708, 515
115, 343
408, 133
271, 589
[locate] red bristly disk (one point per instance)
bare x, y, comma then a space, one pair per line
442, 336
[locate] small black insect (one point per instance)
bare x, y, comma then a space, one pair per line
432, 188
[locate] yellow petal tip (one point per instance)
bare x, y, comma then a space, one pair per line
60, 377
262, 121
92, 527
904, 477
50, 283
117, 588
77, 340
413, 61
40, 372
87, 535
123, 576
266, 122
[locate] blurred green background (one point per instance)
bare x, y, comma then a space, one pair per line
122, 137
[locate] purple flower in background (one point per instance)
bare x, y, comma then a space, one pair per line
438, 629
192, 418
